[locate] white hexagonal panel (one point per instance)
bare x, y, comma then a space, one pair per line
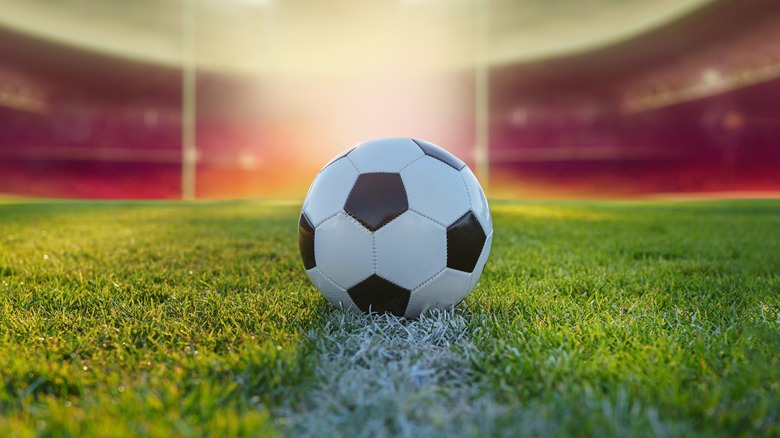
339, 156
479, 204
436, 190
483, 257
344, 250
329, 191
410, 250
444, 291
385, 155
332, 292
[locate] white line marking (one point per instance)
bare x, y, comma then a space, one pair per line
382, 376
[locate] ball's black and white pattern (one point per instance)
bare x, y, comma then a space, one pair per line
395, 225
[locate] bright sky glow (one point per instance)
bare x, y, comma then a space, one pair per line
299, 37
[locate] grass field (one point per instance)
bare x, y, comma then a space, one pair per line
592, 318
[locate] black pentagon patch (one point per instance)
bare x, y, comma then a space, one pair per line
306, 242
377, 295
376, 199
465, 239
440, 154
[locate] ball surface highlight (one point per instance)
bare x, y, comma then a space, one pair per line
395, 225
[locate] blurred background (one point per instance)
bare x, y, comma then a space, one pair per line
183, 99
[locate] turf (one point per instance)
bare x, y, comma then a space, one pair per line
592, 318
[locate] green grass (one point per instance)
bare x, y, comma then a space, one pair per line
602, 318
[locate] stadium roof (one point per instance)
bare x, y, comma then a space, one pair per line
83, 42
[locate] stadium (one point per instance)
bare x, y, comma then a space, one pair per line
155, 157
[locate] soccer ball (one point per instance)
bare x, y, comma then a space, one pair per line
395, 225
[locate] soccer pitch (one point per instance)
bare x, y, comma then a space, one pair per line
591, 318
